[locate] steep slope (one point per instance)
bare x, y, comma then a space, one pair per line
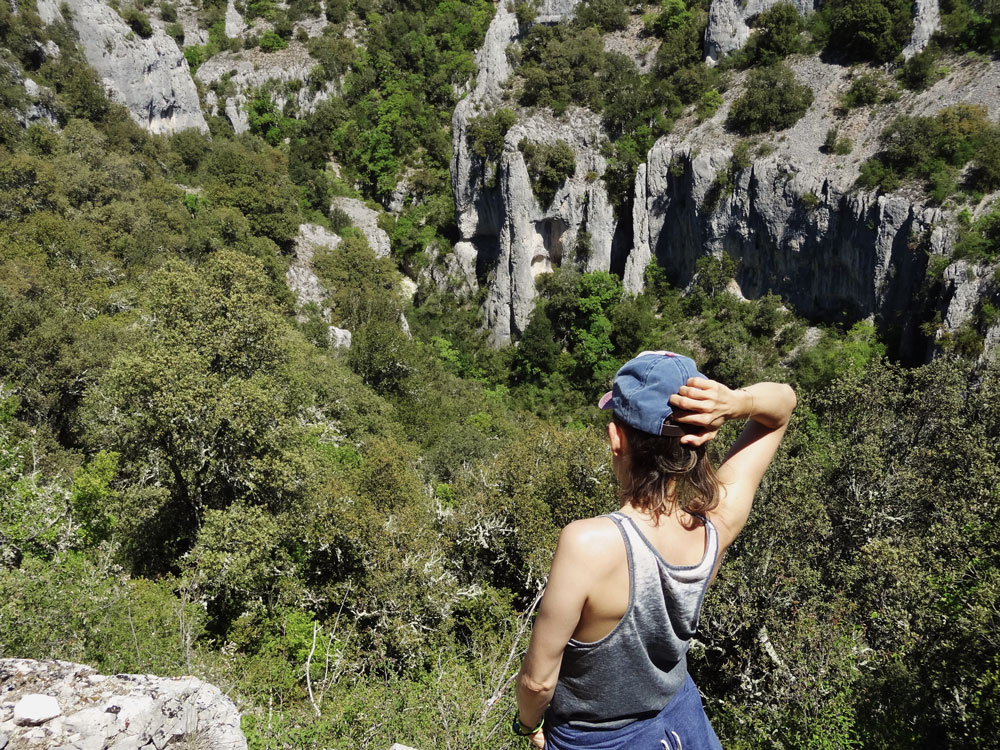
786, 209
148, 75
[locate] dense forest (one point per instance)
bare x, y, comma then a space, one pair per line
351, 542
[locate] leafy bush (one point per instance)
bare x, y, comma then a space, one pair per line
871, 87
773, 100
934, 149
137, 21
834, 144
777, 33
921, 70
981, 239
168, 12
606, 15
549, 164
875, 30
272, 42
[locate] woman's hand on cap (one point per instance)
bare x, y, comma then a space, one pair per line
703, 403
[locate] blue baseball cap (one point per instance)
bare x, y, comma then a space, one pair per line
642, 389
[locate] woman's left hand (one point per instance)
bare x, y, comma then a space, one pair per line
537, 739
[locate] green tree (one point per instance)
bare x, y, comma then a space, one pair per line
773, 100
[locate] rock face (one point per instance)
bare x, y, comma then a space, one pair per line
287, 72
306, 286
366, 220
514, 239
794, 220
149, 76
728, 28
789, 213
727, 23
70, 706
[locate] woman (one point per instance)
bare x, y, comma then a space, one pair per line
607, 661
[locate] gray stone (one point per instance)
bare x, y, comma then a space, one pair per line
4, 739
926, 21
366, 220
250, 69
34, 709
124, 712
149, 76
340, 338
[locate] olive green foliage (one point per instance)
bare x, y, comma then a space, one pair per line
921, 70
193, 482
833, 143
773, 100
137, 21
868, 88
980, 240
867, 30
549, 164
935, 150
970, 26
777, 33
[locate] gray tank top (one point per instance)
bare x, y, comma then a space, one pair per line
634, 671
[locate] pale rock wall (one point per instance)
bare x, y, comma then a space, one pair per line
536, 239
149, 76
251, 69
499, 220
794, 219
72, 707
728, 30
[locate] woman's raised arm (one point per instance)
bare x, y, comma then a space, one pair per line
768, 407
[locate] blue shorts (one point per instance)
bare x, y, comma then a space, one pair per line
681, 725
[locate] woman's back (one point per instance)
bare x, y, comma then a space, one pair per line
640, 664
678, 538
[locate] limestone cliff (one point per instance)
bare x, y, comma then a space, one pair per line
71, 706
149, 76
791, 214
499, 218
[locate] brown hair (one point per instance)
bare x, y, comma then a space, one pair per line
656, 462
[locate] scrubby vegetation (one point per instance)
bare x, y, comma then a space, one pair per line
192, 481
936, 150
773, 100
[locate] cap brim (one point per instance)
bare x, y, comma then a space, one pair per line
605, 402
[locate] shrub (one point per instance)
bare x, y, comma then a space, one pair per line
876, 175
834, 144
195, 55
272, 42
549, 164
606, 15
138, 21
867, 88
873, 30
168, 12
176, 32
773, 100
709, 104
777, 34
921, 70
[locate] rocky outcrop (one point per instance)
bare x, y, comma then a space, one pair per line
233, 77
500, 221
728, 28
788, 211
72, 707
149, 76
305, 284
793, 218
926, 21
577, 227
366, 220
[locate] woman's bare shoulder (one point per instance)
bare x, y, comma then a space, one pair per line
591, 538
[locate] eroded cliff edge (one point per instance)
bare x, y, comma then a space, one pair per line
786, 209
